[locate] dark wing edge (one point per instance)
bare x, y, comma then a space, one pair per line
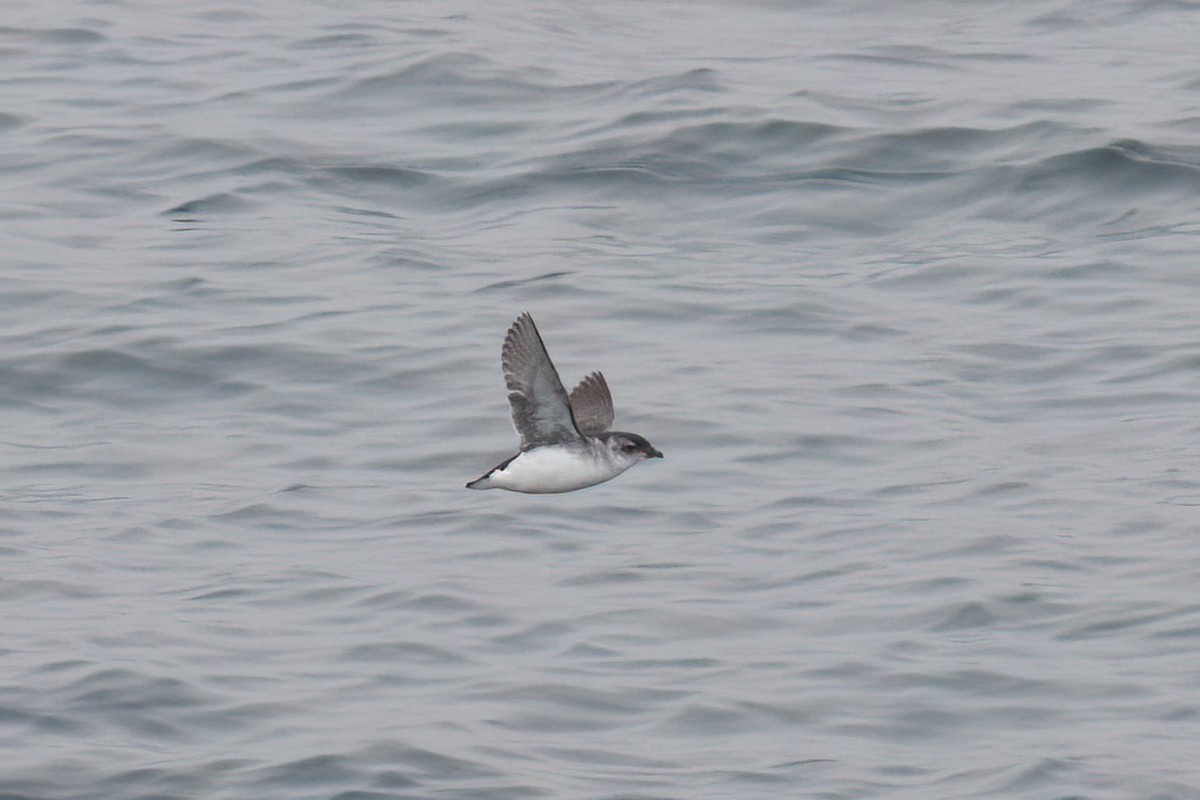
592, 405
541, 411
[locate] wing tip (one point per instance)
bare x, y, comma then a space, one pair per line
593, 378
518, 328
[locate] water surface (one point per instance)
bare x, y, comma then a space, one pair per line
908, 297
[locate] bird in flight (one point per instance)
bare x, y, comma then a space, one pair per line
565, 440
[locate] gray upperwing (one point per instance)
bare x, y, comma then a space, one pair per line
592, 405
540, 410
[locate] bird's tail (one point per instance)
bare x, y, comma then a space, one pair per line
481, 483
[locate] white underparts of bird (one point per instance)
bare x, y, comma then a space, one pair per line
566, 443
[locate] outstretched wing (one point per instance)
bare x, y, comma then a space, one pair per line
540, 409
592, 405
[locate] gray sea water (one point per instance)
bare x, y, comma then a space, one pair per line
908, 294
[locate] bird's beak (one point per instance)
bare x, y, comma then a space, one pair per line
655, 454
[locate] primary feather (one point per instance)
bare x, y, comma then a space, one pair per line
592, 405
541, 411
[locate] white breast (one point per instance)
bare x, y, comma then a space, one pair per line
553, 468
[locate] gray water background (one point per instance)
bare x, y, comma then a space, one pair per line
907, 293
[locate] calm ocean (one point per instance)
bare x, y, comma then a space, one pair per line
908, 294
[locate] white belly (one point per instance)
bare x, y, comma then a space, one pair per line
551, 469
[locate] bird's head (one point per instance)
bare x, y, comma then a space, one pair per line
630, 446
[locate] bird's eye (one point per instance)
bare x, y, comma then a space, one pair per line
630, 448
